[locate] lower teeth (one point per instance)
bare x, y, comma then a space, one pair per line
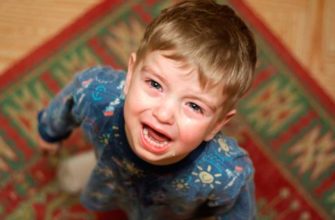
152, 140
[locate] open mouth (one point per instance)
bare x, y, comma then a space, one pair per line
156, 140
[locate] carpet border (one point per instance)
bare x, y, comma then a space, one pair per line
55, 42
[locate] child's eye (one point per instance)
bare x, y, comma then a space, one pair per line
195, 107
154, 84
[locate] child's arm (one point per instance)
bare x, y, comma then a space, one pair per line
237, 201
62, 115
244, 206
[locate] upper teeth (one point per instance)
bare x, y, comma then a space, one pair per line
153, 141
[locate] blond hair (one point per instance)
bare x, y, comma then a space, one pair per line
212, 37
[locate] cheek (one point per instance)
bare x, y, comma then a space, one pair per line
191, 132
189, 140
135, 99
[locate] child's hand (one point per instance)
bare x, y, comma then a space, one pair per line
48, 148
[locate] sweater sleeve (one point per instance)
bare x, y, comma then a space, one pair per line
66, 111
241, 204
243, 207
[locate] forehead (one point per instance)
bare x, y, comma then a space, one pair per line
169, 60
162, 64
184, 73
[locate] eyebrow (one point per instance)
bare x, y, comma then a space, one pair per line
207, 102
151, 71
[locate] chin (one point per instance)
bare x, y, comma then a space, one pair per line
154, 159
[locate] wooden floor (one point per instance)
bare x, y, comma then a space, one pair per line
26, 24
306, 27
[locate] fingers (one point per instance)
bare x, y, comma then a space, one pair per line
48, 149
50, 152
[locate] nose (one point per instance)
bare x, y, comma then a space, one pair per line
164, 112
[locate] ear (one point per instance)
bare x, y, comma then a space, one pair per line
130, 72
219, 124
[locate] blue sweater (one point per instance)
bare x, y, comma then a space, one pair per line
215, 180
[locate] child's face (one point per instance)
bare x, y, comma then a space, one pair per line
167, 113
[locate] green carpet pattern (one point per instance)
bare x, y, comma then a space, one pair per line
286, 122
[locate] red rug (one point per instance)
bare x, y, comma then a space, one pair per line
286, 123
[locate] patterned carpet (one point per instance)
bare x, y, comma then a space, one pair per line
286, 122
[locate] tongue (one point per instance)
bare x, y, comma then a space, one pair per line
157, 136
